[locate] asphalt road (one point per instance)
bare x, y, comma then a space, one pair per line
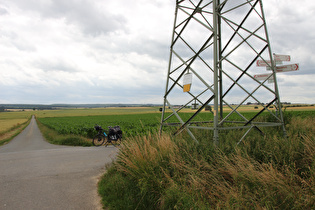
37, 175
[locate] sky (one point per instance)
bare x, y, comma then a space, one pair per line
116, 51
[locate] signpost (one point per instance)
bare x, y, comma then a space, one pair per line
284, 68
278, 60
264, 77
281, 57
266, 63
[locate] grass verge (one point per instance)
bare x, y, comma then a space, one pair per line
8, 135
54, 137
265, 172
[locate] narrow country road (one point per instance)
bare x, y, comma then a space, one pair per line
37, 175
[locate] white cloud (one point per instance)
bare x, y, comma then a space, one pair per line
80, 51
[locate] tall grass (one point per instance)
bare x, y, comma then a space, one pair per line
265, 172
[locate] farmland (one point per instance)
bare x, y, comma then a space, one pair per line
80, 122
11, 124
133, 121
11, 119
131, 124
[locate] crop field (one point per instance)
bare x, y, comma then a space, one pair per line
9, 123
8, 120
12, 123
133, 121
131, 124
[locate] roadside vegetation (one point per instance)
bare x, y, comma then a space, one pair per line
264, 172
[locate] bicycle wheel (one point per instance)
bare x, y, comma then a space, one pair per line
98, 140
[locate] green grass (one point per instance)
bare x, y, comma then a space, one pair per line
54, 137
264, 172
131, 124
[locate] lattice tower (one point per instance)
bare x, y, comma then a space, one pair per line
214, 49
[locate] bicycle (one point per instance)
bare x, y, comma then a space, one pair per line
114, 135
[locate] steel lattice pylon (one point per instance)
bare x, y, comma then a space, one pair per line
217, 43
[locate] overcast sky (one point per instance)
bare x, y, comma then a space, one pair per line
116, 51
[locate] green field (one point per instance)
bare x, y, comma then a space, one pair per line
131, 124
134, 121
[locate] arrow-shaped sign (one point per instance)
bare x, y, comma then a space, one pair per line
284, 68
264, 77
264, 63
281, 57
261, 76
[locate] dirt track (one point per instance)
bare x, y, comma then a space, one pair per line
37, 175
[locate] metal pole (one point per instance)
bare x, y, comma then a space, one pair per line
169, 68
215, 73
273, 67
220, 64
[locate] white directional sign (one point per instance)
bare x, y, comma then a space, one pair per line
264, 77
284, 68
261, 76
266, 63
263, 63
281, 57
278, 59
